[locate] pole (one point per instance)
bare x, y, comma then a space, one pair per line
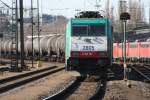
1, 37
149, 24
149, 16
124, 17
125, 66
41, 20
17, 33
38, 28
122, 30
32, 28
1, 50
84, 4
22, 34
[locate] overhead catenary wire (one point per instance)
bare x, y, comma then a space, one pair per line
5, 4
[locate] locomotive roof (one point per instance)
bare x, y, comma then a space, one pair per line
89, 20
89, 14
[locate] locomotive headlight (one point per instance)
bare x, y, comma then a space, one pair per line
74, 53
103, 54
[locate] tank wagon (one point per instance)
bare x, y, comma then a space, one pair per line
88, 44
50, 47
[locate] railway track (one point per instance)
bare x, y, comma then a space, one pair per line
3, 68
82, 88
10, 83
143, 70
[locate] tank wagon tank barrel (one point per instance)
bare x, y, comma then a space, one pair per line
49, 45
2, 46
43, 45
6, 46
52, 45
36, 45
61, 45
28, 46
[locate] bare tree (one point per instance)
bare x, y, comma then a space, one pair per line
137, 13
136, 10
107, 9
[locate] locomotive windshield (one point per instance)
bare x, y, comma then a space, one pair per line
80, 30
88, 30
96, 30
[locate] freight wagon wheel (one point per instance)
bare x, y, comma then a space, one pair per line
68, 66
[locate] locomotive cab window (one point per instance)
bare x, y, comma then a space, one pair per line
96, 30
79, 30
88, 30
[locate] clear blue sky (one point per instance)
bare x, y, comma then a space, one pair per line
60, 6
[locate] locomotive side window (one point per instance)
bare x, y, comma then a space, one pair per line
132, 45
144, 45
96, 30
79, 30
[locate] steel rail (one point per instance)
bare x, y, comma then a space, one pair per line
19, 80
97, 92
73, 86
147, 67
8, 79
136, 69
59, 94
64, 91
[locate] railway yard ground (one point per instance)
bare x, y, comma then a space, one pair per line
47, 52
136, 88
118, 90
5, 74
39, 88
115, 87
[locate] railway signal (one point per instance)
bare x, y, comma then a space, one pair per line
124, 17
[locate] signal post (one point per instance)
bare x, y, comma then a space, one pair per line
124, 17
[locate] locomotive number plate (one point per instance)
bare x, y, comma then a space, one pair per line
88, 48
